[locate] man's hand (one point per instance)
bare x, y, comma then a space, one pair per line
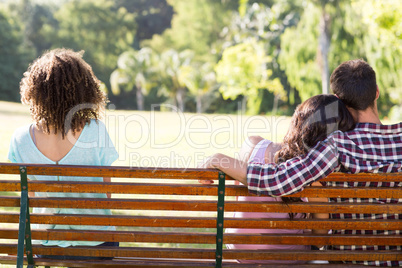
234, 168
210, 162
206, 182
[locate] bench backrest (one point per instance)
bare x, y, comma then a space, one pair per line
166, 214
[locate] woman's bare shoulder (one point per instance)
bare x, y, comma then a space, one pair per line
271, 151
248, 146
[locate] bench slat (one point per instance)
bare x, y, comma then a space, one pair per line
115, 236
117, 262
313, 191
364, 177
117, 188
114, 220
311, 239
143, 262
331, 255
152, 263
204, 222
206, 238
187, 253
126, 204
337, 224
191, 189
311, 207
122, 172
177, 173
192, 205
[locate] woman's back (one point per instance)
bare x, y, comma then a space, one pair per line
53, 146
92, 147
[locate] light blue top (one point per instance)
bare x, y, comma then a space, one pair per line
93, 147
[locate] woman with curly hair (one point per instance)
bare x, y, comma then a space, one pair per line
66, 103
312, 121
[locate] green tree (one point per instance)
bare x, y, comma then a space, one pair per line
309, 47
324, 40
32, 17
243, 71
152, 17
382, 42
200, 80
358, 29
298, 53
135, 71
266, 24
14, 57
170, 66
196, 25
93, 26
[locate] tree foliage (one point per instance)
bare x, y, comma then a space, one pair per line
151, 16
200, 80
135, 71
196, 25
382, 41
265, 24
287, 47
14, 57
243, 71
300, 57
92, 26
32, 18
358, 29
170, 65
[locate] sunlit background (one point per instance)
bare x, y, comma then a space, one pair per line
207, 58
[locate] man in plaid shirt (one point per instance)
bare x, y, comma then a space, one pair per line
370, 147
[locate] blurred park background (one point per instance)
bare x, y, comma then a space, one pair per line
207, 56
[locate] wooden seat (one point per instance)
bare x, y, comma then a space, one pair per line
164, 217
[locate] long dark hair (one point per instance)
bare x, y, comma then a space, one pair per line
311, 123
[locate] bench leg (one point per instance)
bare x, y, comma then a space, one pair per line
219, 220
24, 231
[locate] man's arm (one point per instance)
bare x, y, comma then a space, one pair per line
291, 176
280, 179
232, 165
235, 168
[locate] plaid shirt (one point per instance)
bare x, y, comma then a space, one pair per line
368, 148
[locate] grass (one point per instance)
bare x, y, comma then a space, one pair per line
167, 139
164, 139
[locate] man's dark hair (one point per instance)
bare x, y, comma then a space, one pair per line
354, 82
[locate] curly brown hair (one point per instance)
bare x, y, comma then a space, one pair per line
55, 85
311, 123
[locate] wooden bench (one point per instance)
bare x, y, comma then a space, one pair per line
164, 217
